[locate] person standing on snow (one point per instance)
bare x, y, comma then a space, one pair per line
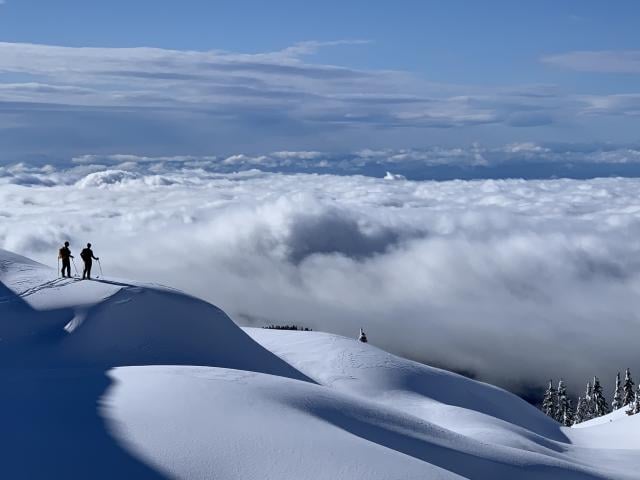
87, 257
64, 254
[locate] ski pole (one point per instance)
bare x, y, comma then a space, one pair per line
100, 265
59, 273
74, 266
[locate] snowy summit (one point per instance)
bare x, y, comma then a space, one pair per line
116, 379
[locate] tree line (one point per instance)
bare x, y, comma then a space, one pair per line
287, 327
558, 405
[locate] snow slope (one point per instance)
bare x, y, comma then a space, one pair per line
617, 430
106, 323
110, 379
472, 409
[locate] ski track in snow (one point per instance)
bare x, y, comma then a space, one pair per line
145, 382
50, 284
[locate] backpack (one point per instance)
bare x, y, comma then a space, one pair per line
61, 253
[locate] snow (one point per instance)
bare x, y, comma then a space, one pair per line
254, 426
115, 379
107, 323
616, 430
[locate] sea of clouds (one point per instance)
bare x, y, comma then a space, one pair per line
513, 281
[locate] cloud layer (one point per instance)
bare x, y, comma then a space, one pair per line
521, 160
228, 85
515, 281
63, 101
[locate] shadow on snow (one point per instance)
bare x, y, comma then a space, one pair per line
51, 423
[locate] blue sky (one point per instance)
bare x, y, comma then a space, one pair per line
250, 76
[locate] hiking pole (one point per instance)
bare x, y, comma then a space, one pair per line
100, 265
59, 273
74, 266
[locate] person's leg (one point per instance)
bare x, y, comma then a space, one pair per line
89, 270
66, 266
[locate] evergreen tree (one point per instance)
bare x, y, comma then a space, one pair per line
588, 407
362, 337
634, 407
568, 415
580, 413
550, 401
564, 412
617, 394
628, 393
600, 405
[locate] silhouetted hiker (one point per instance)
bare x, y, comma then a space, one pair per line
65, 255
87, 257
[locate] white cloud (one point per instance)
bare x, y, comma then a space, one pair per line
170, 101
511, 279
141, 76
394, 176
473, 155
533, 159
622, 104
160, 101
232, 83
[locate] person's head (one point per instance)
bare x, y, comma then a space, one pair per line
88, 245
66, 244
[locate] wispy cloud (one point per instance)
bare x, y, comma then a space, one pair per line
143, 76
626, 105
310, 47
226, 83
157, 101
275, 90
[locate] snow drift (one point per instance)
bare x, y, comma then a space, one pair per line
108, 323
113, 379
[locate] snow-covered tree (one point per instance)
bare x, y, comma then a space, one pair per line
600, 405
362, 337
580, 414
587, 402
550, 401
634, 407
567, 417
628, 393
564, 412
617, 394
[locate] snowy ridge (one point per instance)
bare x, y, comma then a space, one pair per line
108, 323
112, 379
369, 372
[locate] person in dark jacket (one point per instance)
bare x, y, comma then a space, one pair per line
64, 254
87, 257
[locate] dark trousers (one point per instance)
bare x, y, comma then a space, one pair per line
87, 269
66, 267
